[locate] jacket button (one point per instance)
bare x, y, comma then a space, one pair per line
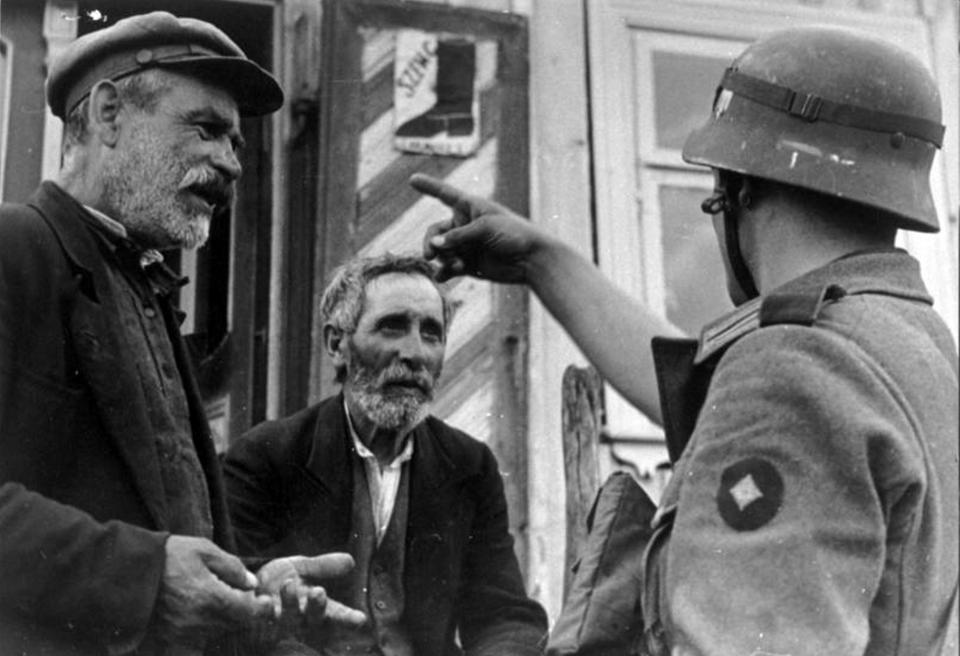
381, 605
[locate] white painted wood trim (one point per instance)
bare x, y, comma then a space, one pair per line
7, 99
943, 26
559, 202
285, 17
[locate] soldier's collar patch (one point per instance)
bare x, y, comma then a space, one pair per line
727, 329
750, 494
778, 307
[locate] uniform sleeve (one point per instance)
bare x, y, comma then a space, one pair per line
496, 615
778, 542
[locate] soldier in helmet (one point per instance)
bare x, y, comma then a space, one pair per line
814, 430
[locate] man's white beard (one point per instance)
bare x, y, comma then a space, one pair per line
394, 408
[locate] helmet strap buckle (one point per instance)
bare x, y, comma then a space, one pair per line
806, 105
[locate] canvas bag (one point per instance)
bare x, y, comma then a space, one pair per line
602, 615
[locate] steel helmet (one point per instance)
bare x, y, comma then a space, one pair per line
834, 111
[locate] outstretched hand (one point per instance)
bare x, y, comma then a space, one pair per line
205, 591
482, 239
293, 584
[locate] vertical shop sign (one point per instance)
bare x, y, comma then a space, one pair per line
434, 94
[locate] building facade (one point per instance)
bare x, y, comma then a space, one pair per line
574, 113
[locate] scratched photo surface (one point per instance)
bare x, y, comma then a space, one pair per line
570, 112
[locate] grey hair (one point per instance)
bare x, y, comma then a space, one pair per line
141, 90
342, 303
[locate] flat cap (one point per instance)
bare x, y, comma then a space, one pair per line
160, 39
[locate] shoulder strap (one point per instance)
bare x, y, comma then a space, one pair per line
802, 309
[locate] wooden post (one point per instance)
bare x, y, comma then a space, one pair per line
582, 422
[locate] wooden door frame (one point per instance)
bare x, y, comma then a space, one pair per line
341, 114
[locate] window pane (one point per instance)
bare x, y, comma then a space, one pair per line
684, 86
696, 291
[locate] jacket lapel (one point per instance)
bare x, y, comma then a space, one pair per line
432, 469
329, 469
200, 430
433, 508
102, 350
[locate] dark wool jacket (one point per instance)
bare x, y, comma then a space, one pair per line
81, 500
290, 486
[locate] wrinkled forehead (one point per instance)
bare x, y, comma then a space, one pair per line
403, 293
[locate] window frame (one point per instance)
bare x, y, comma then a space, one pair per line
6, 82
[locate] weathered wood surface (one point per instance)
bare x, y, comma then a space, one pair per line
582, 423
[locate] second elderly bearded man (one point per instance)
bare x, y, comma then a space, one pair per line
417, 503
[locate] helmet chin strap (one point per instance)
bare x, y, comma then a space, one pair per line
732, 194
737, 263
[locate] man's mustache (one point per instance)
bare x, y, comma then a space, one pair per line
209, 184
402, 374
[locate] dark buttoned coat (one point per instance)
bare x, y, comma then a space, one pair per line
82, 526
290, 491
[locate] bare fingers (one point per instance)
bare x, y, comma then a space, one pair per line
460, 201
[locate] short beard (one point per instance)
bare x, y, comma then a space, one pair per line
142, 187
191, 234
391, 407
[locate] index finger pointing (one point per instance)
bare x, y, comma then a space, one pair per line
447, 194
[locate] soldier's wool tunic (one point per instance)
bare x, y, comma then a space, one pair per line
813, 507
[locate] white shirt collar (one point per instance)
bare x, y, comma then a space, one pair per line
365, 452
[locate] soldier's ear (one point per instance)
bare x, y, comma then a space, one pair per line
103, 112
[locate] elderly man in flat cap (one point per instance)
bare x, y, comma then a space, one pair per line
114, 536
